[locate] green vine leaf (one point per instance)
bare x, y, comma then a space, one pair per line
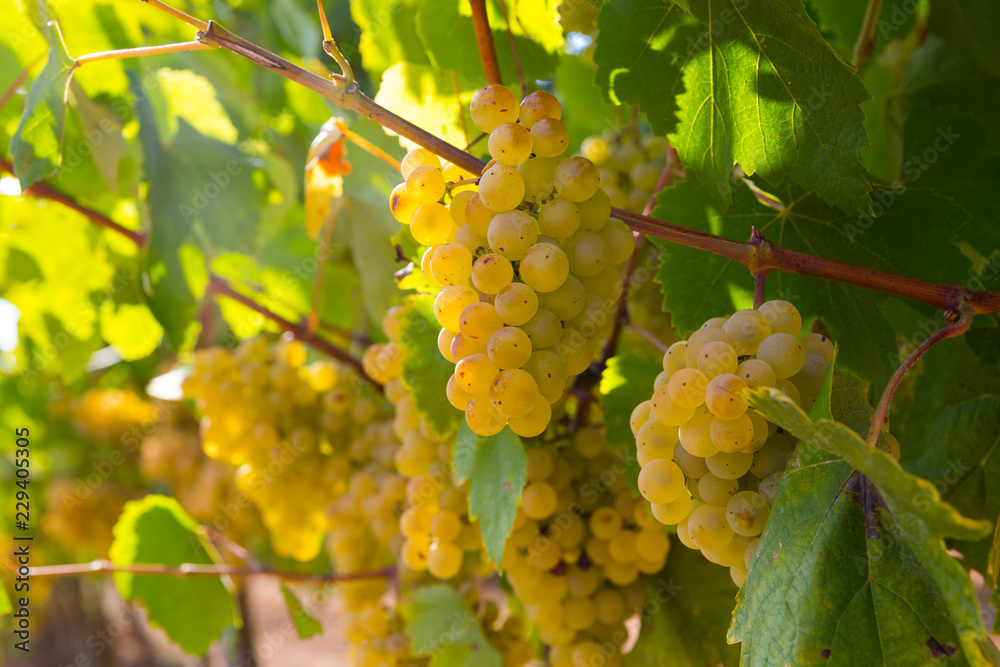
971, 27
192, 611
885, 584
440, 625
626, 382
425, 371
36, 147
698, 286
496, 469
305, 624
761, 89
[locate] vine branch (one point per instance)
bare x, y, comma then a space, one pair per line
768, 256
959, 327
198, 570
484, 37
869, 33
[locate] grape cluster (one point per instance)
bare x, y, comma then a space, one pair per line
286, 426
710, 464
110, 414
528, 263
581, 540
628, 164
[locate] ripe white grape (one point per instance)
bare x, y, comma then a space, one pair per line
784, 353
493, 106
746, 329
724, 396
425, 184
451, 264
814, 343
509, 347
566, 301
746, 513
538, 105
549, 137
783, 317
700, 339
559, 218
707, 527
595, 213
514, 393
491, 273
510, 144
576, 179
717, 358
544, 267
418, 157
449, 304
511, 234
431, 224
538, 175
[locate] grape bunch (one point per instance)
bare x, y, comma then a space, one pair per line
286, 425
580, 543
629, 165
710, 464
528, 263
111, 414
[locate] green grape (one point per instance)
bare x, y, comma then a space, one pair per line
477, 216
686, 386
567, 301
431, 225
402, 204
675, 511
462, 347
661, 481
725, 465
715, 490
587, 252
667, 411
595, 149
510, 144
768, 488
491, 273
474, 244
538, 500
810, 377
782, 316
549, 371
576, 351
773, 456
544, 267
482, 417
458, 397
451, 264
418, 157
449, 304
493, 106
746, 329
501, 188
543, 328
814, 343
707, 527
539, 178
558, 218
459, 202
756, 373
595, 213
425, 184
537, 106
695, 435
478, 322
700, 339
534, 422
717, 358
517, 304
509, 347
732, 435
514, 393
444, 560
475, 374
724, 396
693, 467
654, 440
674, 360
620, 241
576, 179
640, 416
784, 353
549, 137
747, 513
512, 233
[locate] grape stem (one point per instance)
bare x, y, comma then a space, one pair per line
865, 45
880, 418
217, 284
200, 570
648, 335
484, 37
759, 276
767, 256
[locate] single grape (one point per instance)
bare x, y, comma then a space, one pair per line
511, 234
717, 358
517, 304
746, 329
478, 216
747, 513
482, 417
514, 393
501, 188
431, 225
444, 560
509, 347
668, 411
491, 273
425, 184
576, 179
700, 339
544, 267
724, 396
539, 178
732, 435
715, 490
549, 137
784, 353
729, 465
673, 358
539, 500
534, 422
493, 106
588, 253
559, 218
783, 317
537, 106
687, 385
449, 304
543, 328
708, 528
451, 264
756, 373
402, 204
510, 144
566, 301
475, 374
661, 481
418, 157
814, 343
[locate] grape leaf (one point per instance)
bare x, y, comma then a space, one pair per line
425, 96
686, 615
496, 468
842, 21
626, 382
448, 35
36, 147
193, 611
387, 34
844, 574
964, 463
305, 625
439, 624
762, 89
425, 371
971, 27
697, 286
131, 328
103, 132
